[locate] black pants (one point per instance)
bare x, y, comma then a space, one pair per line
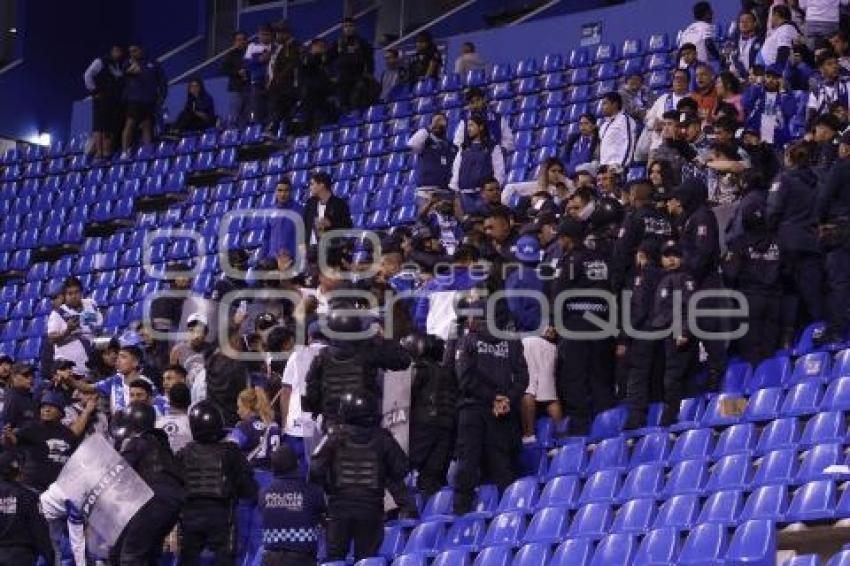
714, 348
585, 380
17, 556
762, 337
838, 279
431, 449
210, 527
486, 450
803, 281
679, 366
287, 558
141, 541
188, 121
282, 102
365, 529
645, 382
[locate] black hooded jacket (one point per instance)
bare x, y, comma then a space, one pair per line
698, 231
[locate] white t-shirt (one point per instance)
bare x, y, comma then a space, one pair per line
177, 429
783, 36
697, 33
90, 318
295, 376
821, 10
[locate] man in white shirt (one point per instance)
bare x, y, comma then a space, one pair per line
821, 18
666, 103
617, 133
777, 45
71, 326
175, 423
701, 33
540, 355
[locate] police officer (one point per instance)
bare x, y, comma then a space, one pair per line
833, 216
585, 368
492, 377
681, 350
20, 407
291, 510
147, 450
24, 534
433, 414
603, 226
347, 365
215, 475
355, 463
698, 236
752, 266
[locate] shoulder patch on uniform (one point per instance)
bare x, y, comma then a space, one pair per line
702, 230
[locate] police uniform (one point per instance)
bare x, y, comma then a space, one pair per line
643, 223
149, 453
216, 474
355, 462
24, 534
433, 411
291, 510
584, 368
487, 445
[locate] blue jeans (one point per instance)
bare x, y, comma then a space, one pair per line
237, 113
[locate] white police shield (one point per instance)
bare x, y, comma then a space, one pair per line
103, 486
396, 413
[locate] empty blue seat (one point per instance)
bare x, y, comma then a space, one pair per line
840, 559
772, 372
781, 433
439, 506
527, 68
473, 77
452, 558
424, 539
777, 467
686, 477
533, 555
754, 543
486, 501
803, 560
658, 43
817, 459
736, 439
696, 444
722, 410
814, 366
766, 502
561, 491
500, 72
608, 423
569, 459
494, 556
604, 53
464, 535
553, 82
549, 525
450, 82
519, 496
393, 542
573, 552
679, 511
634, 516
506, 529
644, 481
730, 472
601, 487
591, 521
706, 544
824, 427
690, 413
611, 453
721, 507
837, 397
812, 501
607, 71
407, 560
841, 364
764, 404
737, 373
802, 399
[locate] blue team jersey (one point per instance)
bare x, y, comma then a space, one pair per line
256, 440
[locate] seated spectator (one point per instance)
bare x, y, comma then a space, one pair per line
479, 159
468, 60
637, 98
198, 113
665, 103
686, 60
705, 93
831, 88
582, 148
238, 85
701, 33
104, 80
394, 79
728, 89
550, 179
426, 61
355, 64
324, 211
71, 327
617, 133
145, 89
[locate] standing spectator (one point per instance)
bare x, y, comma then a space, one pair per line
316, 86
198, 113
117, 388
256, 62
436, 156
283, 77
582, 148
71, 327
617, 133
394, 81
701, 33
280, 243
233, 67
84, 418
674, 150
192, 354
665, 103
144, 91
468, 60
256, 434
769, 110
227, 376
744, 45
324, 210
821, 19
175, 423
479, 159
777, 45
19, 407
104, 80
426, 61
355, 63
705, 93
840, 43
686, 60
637, 99
498, 128
832, 87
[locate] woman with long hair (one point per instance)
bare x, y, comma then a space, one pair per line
479, 160
257, 434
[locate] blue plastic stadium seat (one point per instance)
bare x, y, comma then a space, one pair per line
802, 399
439, 506
706, 544
527, 68
632, 47
500, 72
695, 444
614, 549
393, 543
840, 559
475, 77
494, 556
601, 487
604, 53
561, 491
520, 496
486, 501
569, 459
754, 543
658, 43
816, 460
813, 366
824, 427
426, 87
813, 501
777, 467
464, 535
803, 560
721, 507
718, 412
608, 423
424, 539
772, 372
643, 481
841, 364
607, 71
505, 529
837, 397
592, 521
737, 373
611, 453
736, 439
533, 555
767, 502
781, 433
679, 511
381, 561
450, 82
686, 477
631, 67
573, 552
764, 404
690, 414
548, 525
452, 558
634, 516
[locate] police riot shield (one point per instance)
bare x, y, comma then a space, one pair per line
396, 413
104, 487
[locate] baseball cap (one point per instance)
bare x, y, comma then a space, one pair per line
671, 247
571, 229
197, 317
53, 398
527, 249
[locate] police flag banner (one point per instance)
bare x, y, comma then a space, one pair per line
103, 486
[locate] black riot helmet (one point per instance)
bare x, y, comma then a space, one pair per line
358, 408
140, 417
119, 429
206, 422
416, 345
608, 211
344, 322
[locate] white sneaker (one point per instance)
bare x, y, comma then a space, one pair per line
529, 439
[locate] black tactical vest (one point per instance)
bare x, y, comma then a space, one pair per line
204, 471
358, 466
339, 376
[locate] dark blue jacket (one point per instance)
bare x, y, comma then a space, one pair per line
201, 103
291, 509
525, 310
476, 165
148, 86
579, 149
434, 163
19, 408
281, 234
791, 210
834, 196
784, 108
